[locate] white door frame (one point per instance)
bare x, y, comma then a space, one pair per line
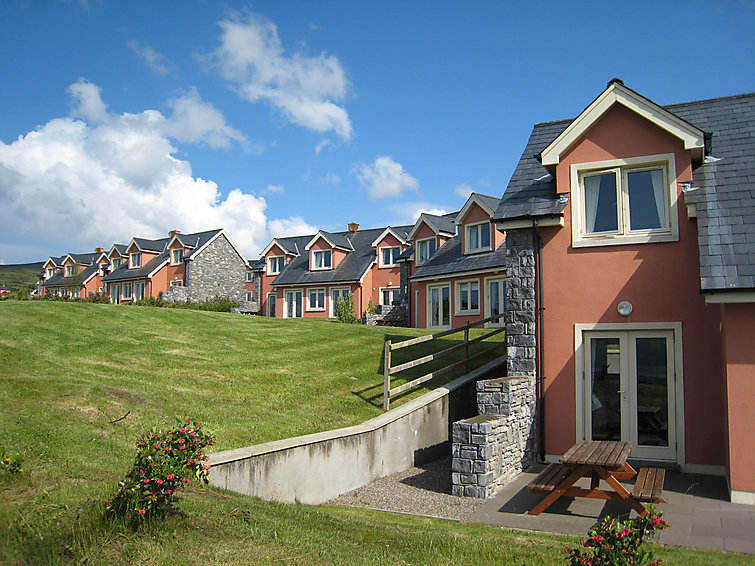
331, 300
286, 302
501, 322
429, 291
678, 383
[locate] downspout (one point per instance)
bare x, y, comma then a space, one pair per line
540, 378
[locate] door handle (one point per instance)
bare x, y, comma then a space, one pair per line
621, 391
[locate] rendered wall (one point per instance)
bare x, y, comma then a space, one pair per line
316, 468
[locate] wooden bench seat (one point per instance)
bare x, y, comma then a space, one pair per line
649, 485
549, 478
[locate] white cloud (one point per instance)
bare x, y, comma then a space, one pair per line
322, 145
385, 178
79, 183
294, 226
408, 212
275, 188
330, 179
154, 60
307, 90
463, 190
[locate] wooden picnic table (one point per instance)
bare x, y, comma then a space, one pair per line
598, 460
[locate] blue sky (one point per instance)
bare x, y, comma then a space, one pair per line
277, 118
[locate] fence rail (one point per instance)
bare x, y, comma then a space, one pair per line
390, 347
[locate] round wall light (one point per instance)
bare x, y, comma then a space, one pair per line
625, 308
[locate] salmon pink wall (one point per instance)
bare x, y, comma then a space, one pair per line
738, 330
475, 215
267, 281
661, 280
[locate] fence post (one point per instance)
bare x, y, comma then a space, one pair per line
387, 376
466, 347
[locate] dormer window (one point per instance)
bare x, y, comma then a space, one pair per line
70, 270
322, 259
249, 276
275, 264
477, 237
50, 272
389, 255
116, 263
177, 256
135, 261
425, 250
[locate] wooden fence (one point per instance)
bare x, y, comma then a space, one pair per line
389, 370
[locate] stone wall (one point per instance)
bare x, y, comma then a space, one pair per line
520, 303
395, 315
491, 449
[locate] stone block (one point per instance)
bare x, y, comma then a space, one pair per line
461, 466
461, 433
485, 479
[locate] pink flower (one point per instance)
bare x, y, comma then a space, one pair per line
145, 481
182, 447
181, 441
169, 477
193, 433
181, 430
159, 482
624, 533
169, 491
142, 511
107, 501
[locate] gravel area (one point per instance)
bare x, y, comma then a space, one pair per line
425, 490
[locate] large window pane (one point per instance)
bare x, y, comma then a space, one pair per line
652, 392
647, 208
605, 356
600, 203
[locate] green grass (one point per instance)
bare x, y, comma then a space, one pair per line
69, 370
20, 275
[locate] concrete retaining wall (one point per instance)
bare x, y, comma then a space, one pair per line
315, 468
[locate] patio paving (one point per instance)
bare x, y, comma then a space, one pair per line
697, 509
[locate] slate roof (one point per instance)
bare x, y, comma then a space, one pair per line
350, 269
58, 280
124, 273
725, 195
448, 259
443, 223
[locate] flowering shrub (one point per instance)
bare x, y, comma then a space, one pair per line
165, 462
10, 464
611, 542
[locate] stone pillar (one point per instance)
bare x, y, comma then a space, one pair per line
520, 303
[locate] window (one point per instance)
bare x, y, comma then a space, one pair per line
50, 272
336, 294
316, 300
439, 306
126, 290
177, 283
177, 256
495, 300
139, 291
70, 270
624, 201
389, 255
478, 237
249, 296
468, 297
249, 276
389, 295
271, 300
74, 293
275, 264
322, 259
116, 263
135, 261
292, 301
425, 250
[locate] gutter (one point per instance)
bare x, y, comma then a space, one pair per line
539, 333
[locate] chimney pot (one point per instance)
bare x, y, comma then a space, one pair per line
173, 233
98, 250
353, 226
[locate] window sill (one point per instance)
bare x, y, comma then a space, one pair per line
466, 313
477, 251
624, 240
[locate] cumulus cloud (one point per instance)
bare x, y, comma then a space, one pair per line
97, 177
153, 59
385, 178
322, 145
294, 226
275, 188
308, 91
463, 190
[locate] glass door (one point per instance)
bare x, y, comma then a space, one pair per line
439, 307
115, 294
629, 393
495, 299
294, 300
336, 294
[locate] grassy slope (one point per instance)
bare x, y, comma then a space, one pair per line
68, 369
19, 275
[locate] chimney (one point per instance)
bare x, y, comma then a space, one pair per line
353, 226
98, 250
173, 233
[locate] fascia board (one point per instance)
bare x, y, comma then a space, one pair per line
385, 232
529, 222
729, 296
422, 218
158, 268
692, 137
455, 274
467, 205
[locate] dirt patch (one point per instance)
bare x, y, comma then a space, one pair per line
90, 413
126, 395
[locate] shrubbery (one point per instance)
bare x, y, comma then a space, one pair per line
345, 309
165, 462
612, 542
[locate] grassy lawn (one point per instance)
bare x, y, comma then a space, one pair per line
69, 371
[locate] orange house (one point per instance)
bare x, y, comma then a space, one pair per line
457, 267
304, 276
75, 276
630, 234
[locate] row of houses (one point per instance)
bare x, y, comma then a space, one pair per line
621, 255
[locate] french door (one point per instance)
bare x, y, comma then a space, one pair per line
439, 306
293, 304
495, 300
115, 294
335, 294
629, 391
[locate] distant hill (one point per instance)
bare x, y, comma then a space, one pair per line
16, 276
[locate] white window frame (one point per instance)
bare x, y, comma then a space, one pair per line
487, 281
249, 296
177, 283
249, 276
127, 286
139, 288
382, 264
50, 272
75, 293
286, 302
477, 226
173, 254
393, 290
273, 261
274, 297
316, 307
116, 263
418, 254
669, 233
135, 264
457, 297
70, 271
323, 254
428, 300
332, 291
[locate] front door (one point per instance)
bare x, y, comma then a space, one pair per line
115, 294
335, 294
439, 306
294, 304
629, 390
495, 299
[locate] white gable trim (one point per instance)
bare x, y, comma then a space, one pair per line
693, 138
473, 199
424, 218
324, 236
276, 242
385, 232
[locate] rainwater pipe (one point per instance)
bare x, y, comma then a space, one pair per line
539, 333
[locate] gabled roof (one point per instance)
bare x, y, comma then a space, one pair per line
401, 237
617, 93
144, 245
449, 259
349, 270
56, 261
485, 202
440, 225
84, 259
722, 188
337, 240
119, 249
288, 245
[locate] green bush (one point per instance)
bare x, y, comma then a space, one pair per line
165, 461
345, 309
